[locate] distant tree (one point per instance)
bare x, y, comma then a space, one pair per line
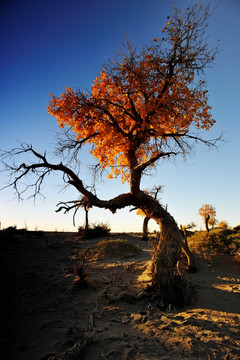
208, 214
191, 266
236, 228
146, 106
76, 205
223, 224
154, 192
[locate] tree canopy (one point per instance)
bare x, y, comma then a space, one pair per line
146, 103
208, 213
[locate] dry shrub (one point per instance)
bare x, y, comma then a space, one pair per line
217, 241
12, 232
80, 281
94, 231
111, 248
237, 258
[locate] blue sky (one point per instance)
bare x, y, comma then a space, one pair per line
47, 45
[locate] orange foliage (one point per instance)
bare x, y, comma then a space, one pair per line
223, 224
140, 212
208, 210
133, 109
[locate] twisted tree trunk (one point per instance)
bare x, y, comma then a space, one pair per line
145, 228
167, 284
207, 218
164, 261
189, 255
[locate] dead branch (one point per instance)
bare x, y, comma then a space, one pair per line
42, 167
75, 352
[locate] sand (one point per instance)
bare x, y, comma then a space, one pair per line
44, 317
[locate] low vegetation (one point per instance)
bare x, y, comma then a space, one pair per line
111, 248
12, 232
217, 241
94, 231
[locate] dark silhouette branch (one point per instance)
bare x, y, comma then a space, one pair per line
67, 206
43, 168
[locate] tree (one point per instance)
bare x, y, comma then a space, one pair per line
191, 266
154, 192
145, 224
208, 214
146, 106
223, 224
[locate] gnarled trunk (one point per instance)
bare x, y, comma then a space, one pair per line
207, 218
145, 228
164, 261
168, 286
190, 258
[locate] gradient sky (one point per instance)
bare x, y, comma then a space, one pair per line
47, 45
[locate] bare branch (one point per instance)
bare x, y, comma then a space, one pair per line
43, 167
67, 206
140, 168
68, 147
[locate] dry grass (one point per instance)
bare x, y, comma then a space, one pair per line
237, 258
105, 249
217, 241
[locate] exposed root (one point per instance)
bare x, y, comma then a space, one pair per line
126, 296
76, 350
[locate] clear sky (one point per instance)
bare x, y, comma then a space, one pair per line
47, 45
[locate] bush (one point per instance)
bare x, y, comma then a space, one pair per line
237, 258
111, 248
94, 231
223, 224
217, 240
12, 232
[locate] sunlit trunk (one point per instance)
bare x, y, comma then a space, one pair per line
167, 285
190, 257
164, 261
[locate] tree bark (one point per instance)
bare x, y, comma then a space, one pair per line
86, 218
207, 218
164, 261
167, 285
145, 228
190, 258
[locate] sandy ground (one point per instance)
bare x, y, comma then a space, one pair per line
42, 315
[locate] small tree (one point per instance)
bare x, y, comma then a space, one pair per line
146, 106
191, 266
154, 192
223, 224
208, 214
76, 205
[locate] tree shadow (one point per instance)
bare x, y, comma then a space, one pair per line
217, 285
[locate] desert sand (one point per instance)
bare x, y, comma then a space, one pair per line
44, 317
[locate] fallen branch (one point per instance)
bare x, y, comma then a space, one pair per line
75, 352
127, 296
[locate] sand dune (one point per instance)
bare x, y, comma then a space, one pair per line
43, 317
